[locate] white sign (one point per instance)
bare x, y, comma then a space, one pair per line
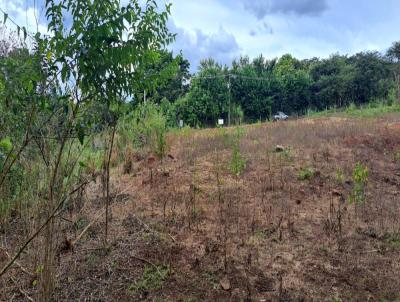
220, 122
180, 123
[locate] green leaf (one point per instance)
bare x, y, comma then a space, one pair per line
6, 145
25, 33
82, 164
81, 134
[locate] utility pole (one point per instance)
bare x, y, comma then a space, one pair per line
229, 98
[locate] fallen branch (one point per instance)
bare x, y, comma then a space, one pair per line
146, 261
152, 230
100, 213
23, 269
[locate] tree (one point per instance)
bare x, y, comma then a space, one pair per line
251, 87
294, 95
393, 54
371, 70
176, 83
332, 79
96, 54
208, 97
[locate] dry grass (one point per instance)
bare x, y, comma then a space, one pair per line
273, 235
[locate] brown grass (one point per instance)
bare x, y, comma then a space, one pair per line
273, 236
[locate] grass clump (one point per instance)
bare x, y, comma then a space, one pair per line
394, 240
152, 278
306, 173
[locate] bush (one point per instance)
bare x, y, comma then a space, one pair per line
360, 178
146, 126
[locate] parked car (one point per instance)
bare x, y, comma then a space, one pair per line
280, 116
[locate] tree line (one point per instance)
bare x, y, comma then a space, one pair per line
255, 89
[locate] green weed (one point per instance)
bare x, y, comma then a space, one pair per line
360, 178
336, 299
394, 240
306, 173
397, 156
152, 278
237, 163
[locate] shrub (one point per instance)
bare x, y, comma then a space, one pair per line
238, 163
360, 178
146, 126
158, 133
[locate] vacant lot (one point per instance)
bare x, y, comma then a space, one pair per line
303, 210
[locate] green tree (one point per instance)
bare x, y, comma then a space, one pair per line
251, 87
96, 55
393, 54
295, 84
208, 97
176, 83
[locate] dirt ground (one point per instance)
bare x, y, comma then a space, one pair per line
187, 229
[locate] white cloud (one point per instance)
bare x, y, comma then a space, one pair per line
225, 29
262, 8
25, 14
196, 45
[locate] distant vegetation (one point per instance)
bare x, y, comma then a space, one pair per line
255, 89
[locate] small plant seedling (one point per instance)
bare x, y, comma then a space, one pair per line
394, 240
285, 154
212, 279
360, 178
397, 156
306, 173
336, 299
238, 164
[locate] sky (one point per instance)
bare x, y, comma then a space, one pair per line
228, 29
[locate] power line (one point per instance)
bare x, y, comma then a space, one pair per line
233, 76
23, 28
